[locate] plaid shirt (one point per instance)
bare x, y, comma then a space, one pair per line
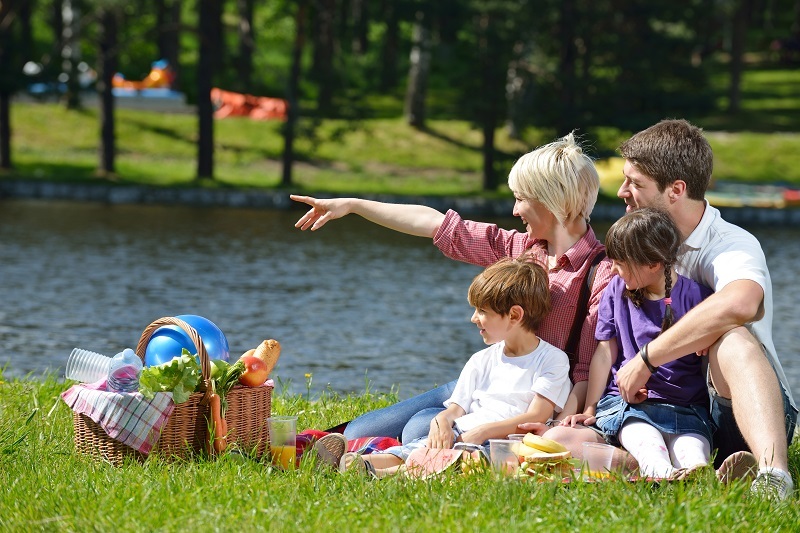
483, 244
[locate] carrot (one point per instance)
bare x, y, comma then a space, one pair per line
218, 437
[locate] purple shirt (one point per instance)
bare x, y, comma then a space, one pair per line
682, 381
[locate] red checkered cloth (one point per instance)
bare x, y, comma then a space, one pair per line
129, 418
484, 244
363, 445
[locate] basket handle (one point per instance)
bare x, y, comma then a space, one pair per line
205, 362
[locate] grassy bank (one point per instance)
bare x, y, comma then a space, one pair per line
45, 486
375, 155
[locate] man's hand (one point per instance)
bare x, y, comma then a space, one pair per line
631, 380
321, 211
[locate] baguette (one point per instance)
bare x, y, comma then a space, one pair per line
268, 351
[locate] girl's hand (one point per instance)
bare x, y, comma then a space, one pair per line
321, 211
639, 397
579, 419
702, 353
440, 435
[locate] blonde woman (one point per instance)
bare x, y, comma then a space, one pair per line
555, 188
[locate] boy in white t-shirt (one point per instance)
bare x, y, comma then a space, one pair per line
519, 378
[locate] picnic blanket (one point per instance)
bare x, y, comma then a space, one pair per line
363, 445
129, 418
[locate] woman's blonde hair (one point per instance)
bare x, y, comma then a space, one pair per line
559, 176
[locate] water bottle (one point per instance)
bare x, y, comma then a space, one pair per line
123, 373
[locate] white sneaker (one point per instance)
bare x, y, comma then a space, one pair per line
773, 483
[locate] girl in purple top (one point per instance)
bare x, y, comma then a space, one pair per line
667, 427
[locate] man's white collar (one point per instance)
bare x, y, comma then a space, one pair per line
697, 237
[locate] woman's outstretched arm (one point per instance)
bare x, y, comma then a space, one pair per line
418, 220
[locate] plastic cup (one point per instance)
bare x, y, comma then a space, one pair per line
86, 366
283, 441
597, 460
503, 456
517, 436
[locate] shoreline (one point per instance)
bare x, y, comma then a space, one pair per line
278, 199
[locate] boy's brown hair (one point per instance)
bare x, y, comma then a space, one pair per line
511, 282
672, 150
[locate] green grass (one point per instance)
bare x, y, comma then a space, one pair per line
770, 101
379, 155
46, 486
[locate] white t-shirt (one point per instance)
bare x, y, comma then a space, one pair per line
717, 253
494, 387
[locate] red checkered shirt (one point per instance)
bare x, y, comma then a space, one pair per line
483, 244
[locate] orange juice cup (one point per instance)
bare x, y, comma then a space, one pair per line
284, 456
283, 441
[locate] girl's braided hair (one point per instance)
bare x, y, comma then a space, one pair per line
646, 237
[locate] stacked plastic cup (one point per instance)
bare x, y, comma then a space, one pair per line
86, 366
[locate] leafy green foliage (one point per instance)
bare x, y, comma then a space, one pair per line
180, 376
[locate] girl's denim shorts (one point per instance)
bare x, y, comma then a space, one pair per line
613, 411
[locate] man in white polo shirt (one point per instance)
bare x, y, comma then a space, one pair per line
669, 166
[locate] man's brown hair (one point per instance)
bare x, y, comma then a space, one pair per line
672, 150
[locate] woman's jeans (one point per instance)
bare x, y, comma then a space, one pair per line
406, 420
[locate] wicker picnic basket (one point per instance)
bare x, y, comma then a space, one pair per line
186, 433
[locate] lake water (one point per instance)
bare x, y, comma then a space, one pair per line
352, 303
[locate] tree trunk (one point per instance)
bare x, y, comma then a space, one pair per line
5, 130
209, 9
220, 46
70, 52
25, 30
796, 22
390, 47
7, 77
57, 24
516, 90
491, 94
418, 73
489, 175
247, 43
168, 20
741, 19
292, 96
107, 68
322, 60
360, 18
566, 67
